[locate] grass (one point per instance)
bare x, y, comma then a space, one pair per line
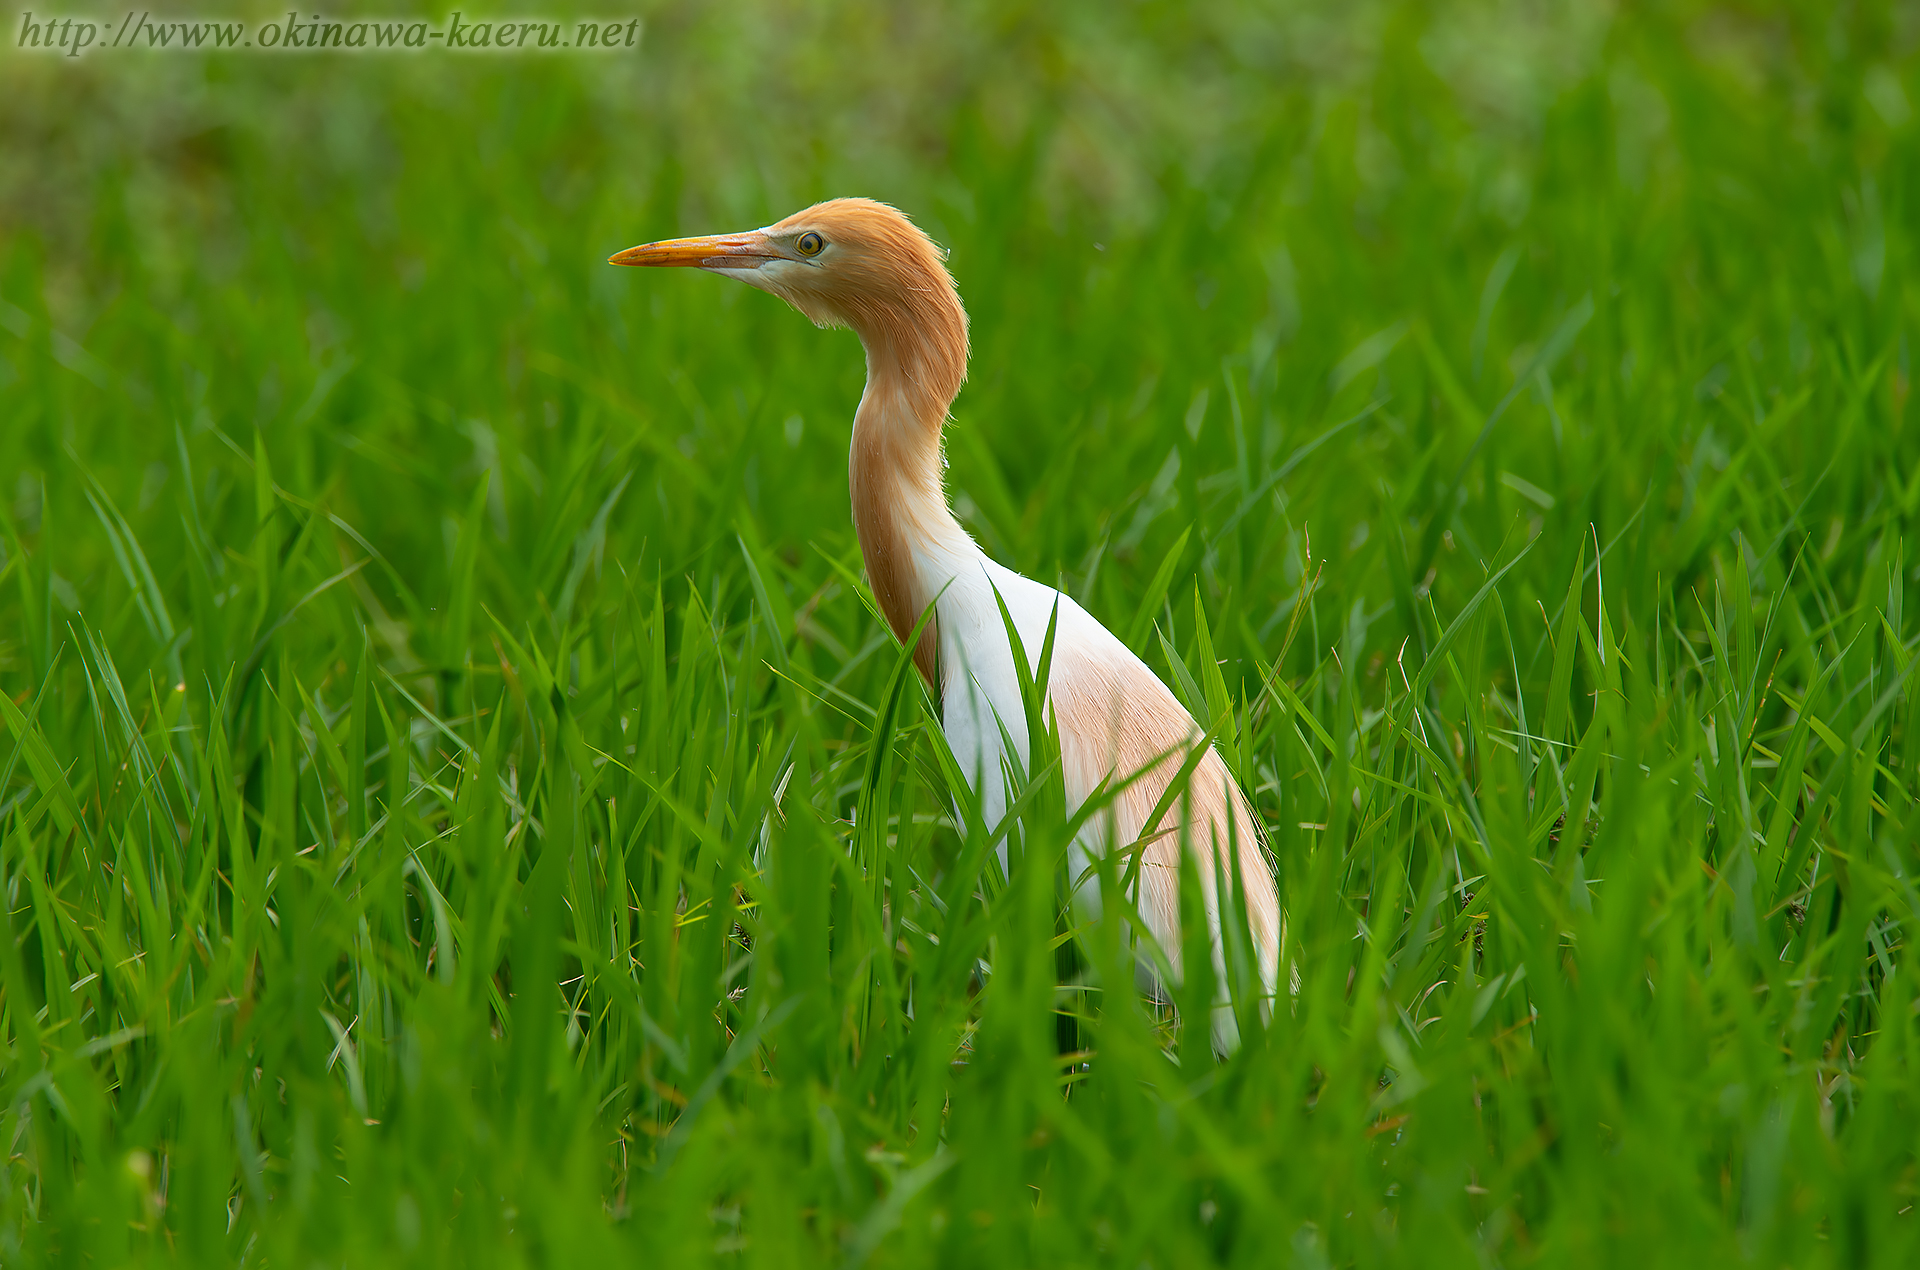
458, 806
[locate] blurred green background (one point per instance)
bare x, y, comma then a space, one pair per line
1498, 412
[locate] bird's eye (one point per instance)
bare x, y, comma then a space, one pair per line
809, 244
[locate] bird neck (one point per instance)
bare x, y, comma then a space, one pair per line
908, 535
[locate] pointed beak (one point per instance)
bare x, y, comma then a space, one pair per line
720, 251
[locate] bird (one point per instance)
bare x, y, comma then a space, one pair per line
862, 264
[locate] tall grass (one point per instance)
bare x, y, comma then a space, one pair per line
458, 804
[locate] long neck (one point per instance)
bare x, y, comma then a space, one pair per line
911, 542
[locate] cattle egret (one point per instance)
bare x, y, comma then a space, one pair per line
852, 262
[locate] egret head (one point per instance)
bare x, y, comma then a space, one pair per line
846, 262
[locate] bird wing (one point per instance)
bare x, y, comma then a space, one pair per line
1115, 719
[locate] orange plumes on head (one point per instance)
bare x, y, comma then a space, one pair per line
879, 273
849, 262
874, 270
858, 263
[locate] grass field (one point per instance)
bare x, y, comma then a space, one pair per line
458, 805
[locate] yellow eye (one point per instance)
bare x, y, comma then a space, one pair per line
809, 244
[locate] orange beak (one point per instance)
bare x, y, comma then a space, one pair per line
720, 251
